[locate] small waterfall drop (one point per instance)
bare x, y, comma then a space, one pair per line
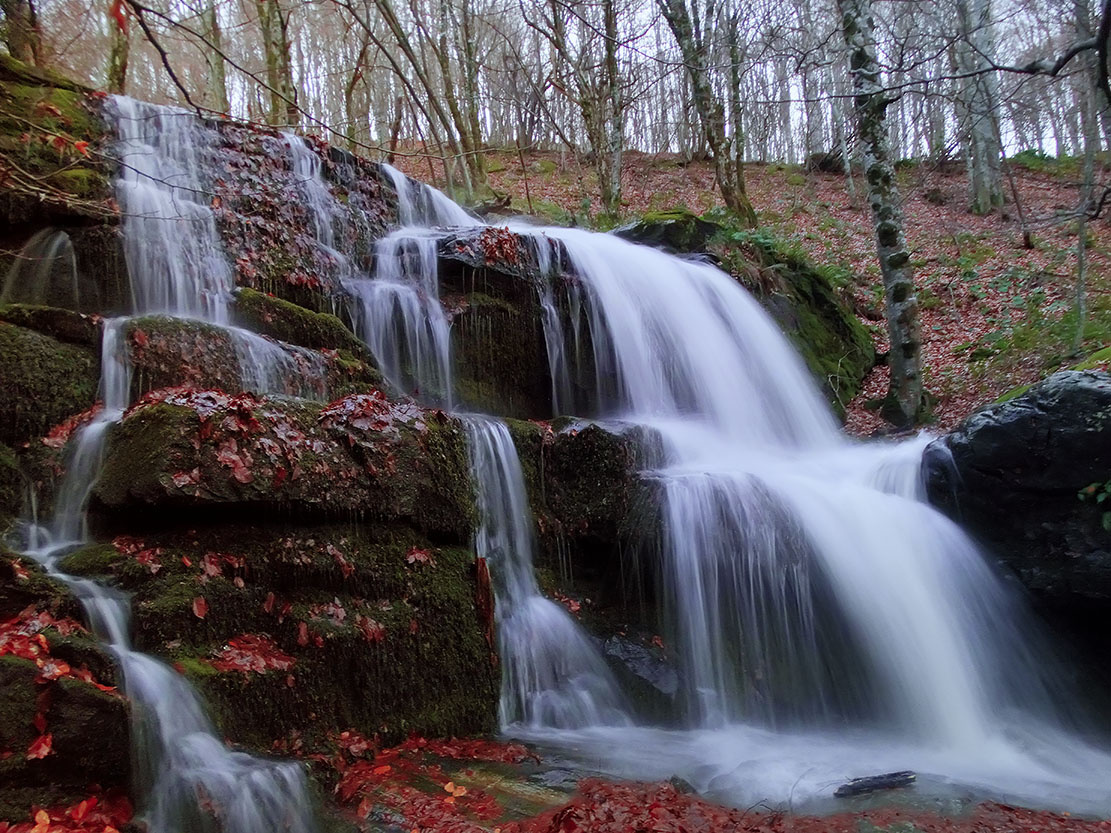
186, 777
553, 674
45, 272
422, 205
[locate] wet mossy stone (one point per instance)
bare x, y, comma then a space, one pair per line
61, 324
42, 116
678, 230
11, 486
380, 625
360, 456
43, 382
295, 324
89, 729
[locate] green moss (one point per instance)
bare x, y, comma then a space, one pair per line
75, 712
62, 324
44, 381
295, 324
677, 229
11, 486
431, 671
12, 70
95, 560
499, 350
149, 439
83, 183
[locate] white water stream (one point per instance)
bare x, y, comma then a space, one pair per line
187, 780
826, 621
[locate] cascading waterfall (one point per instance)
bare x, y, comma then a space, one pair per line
827, 622
397, 312
554, 676
187, 778
824, 617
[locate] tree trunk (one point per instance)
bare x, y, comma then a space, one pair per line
985, 180
22, 35
273, 22
119, 48
904, 402
711, 113
217, 74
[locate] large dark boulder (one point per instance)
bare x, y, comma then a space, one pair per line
1016, 474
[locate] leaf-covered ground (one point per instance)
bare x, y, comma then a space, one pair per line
482, 786
995, 315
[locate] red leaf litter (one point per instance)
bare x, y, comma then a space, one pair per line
101, 812
251, 652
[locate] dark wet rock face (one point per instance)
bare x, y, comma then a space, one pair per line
1017, 475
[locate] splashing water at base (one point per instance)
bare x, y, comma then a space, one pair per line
827, 622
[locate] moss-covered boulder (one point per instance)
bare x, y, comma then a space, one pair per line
174, 352
679, 230
11, 486
48, 125
61, 324
44, 381
305, 631
361, 456
294, 324
63, 726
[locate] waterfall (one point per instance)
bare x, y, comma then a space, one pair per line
824, 617
553, 674
827, 622
187, 779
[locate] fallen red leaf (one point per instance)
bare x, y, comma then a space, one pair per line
200, 607
40, 747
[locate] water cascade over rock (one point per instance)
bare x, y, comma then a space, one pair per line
826, 621
187, 778
819, 619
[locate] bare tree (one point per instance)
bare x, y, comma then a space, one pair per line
691, 27
903, 405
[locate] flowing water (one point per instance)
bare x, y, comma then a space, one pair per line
554, 675
826, 621
185, 776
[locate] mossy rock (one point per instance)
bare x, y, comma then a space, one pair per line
14, 71
42, 117
359, 456
44, 381
678, 230
380, 625
501, 364
61, 324
89, 727
170, 352
11, 486
89, 730
295, 324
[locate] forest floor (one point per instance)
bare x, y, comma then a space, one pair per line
995, 315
